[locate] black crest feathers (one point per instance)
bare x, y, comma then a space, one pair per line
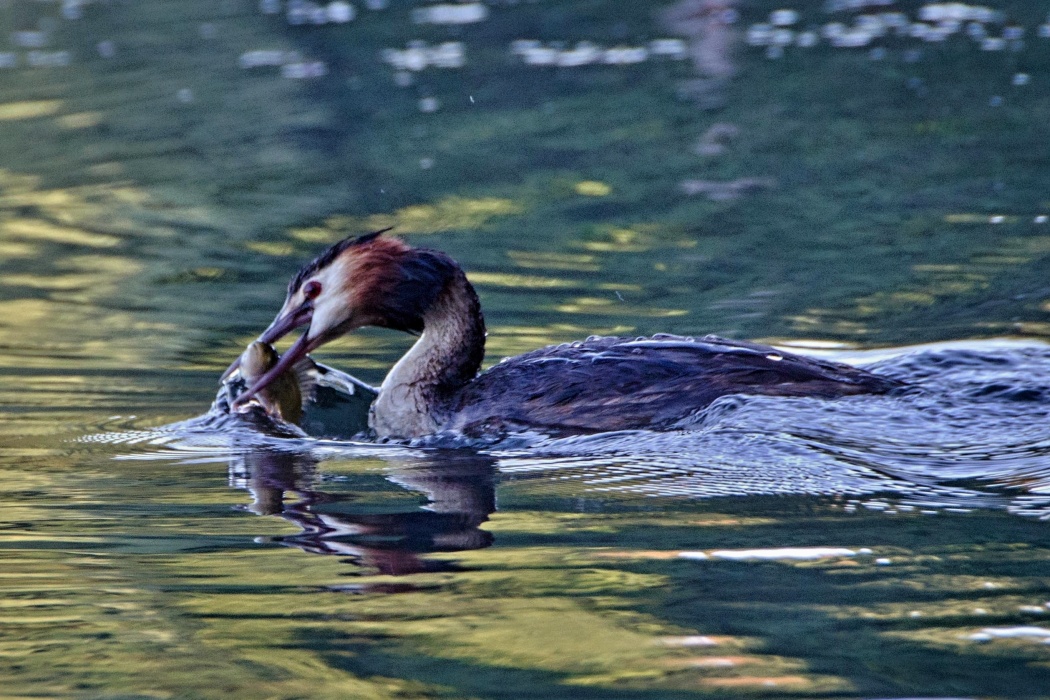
331, 253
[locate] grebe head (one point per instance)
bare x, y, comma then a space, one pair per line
365, 281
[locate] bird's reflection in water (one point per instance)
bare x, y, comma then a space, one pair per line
459, 487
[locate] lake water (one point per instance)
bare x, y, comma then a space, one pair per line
884, 204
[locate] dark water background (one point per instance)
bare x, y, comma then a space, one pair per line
154, 196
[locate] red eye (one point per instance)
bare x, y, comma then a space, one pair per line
311, 290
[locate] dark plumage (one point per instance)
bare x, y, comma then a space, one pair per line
657, 383
595, 385
402, 302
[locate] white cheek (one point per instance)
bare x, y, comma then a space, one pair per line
332, 307
326, 315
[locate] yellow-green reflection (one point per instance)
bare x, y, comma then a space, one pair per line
937, 283
614, 307
277, 249
503, 279
554, 261
447, 214
592, 188
123, 296
12, 111
639, 238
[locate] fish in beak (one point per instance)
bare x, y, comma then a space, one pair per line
287, 321
289, 392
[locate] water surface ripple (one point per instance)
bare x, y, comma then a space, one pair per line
970, 431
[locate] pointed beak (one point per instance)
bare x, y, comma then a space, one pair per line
285, 323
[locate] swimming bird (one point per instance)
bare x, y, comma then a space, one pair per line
600, 384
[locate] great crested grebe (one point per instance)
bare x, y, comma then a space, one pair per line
596, 385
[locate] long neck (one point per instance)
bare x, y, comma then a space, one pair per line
414, 398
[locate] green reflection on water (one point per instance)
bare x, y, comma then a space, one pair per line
172, 592
144, 240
